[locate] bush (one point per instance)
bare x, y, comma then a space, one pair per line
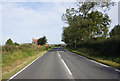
9, 48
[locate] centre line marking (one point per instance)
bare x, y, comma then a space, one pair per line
59, 55
65, 64
66, 67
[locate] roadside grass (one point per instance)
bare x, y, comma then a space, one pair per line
14, 59
9, 57
111, 61
16, 66
0, 63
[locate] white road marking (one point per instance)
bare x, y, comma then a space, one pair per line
24, 68
79, 55
66, 67
93, 61
83, 57
59, 55
99, 63
65, 64
117, 70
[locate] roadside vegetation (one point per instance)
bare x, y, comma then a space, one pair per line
42, 41
87, 32
92, 54
13, 53
15, 56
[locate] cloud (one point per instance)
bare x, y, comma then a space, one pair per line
38, 0
21, 23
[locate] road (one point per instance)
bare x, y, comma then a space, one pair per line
59, 63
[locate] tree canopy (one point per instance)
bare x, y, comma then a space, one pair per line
115, 31
41, 41
9, 42
86, 22
16, 44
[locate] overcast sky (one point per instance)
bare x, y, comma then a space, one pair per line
23, 21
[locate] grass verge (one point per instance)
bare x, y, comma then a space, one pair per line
86, 53
16, 66
16, 58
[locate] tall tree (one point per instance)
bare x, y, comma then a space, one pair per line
41, 41
115, 31
85, 22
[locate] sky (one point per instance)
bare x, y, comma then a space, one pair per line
119, 13
22, 21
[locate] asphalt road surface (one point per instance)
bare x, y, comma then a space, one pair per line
59, 63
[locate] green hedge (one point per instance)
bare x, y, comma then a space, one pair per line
108, 47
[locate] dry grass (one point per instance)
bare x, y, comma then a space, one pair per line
114, 64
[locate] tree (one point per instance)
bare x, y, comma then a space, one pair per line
9, 42
41, 41
86, 22
115, 31
16, 44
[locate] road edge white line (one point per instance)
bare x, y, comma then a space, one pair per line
117, 70
94, 61
24, 68
98, 62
